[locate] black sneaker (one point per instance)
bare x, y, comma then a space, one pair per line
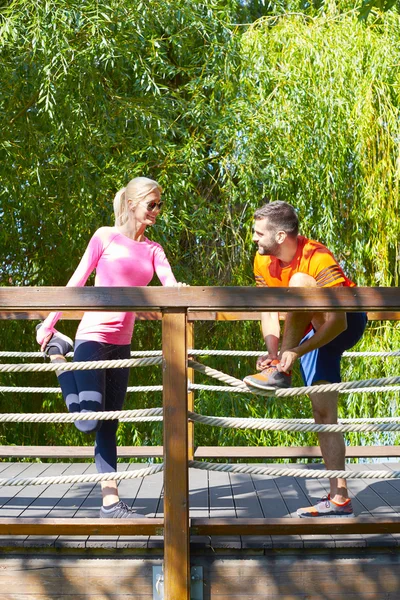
58, 343
119, 511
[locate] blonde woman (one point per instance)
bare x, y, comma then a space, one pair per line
122, 256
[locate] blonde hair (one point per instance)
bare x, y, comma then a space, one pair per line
135, 191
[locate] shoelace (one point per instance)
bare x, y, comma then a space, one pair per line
271, 368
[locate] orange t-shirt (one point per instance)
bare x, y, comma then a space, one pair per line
311, 258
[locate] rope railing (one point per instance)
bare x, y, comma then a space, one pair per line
134, 353
125, 416
299, 391
80, 366
56, 390
289, 472
226, 468
222, 388
89, 478
293, 425
256, 353
156, 414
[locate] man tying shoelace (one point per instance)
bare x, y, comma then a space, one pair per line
318, 339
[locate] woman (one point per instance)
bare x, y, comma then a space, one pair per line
122, 256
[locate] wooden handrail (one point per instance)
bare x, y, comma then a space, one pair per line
249, 299
192, 315
242, 452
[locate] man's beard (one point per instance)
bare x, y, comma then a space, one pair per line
271, 250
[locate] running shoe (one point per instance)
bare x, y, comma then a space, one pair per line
327, 508
119, 511
58, 343
269, 377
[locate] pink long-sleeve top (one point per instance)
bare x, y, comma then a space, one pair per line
119, 262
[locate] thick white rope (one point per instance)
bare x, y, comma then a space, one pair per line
95, 478
125, 416
56, 390
156, 414
223, 388
288, 472
291, 425
256, 353
233, 381
299, 391
81, 366
191, 386
230, 468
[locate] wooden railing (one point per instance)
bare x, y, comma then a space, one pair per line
176, 307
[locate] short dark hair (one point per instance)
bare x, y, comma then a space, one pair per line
281, 215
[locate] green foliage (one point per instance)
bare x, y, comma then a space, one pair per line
223, 109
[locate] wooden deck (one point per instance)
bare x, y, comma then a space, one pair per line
212, 494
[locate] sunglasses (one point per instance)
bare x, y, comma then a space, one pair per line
154, 205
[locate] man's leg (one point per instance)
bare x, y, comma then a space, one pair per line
296, 323
332, 445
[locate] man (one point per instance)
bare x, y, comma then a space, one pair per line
287, 259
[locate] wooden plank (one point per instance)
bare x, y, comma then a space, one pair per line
96, 526
198, 503
291, 452
16, 498
190, 394
247, 504
233, 299
314, 490
46, 501
243, 452
157, 541
367, 502
176, 488
69, 505
387, 492
127, 490
221, 504
234, 526
74, 452
147, 502
7, 493
274, 506
290, 491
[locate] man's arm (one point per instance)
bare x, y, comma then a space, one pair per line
271, 334
335, 323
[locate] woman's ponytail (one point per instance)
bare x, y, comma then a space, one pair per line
120, 208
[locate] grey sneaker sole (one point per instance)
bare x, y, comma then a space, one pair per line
343, 516
256, 384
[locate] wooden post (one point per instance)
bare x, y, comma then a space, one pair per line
176, 492
190, 344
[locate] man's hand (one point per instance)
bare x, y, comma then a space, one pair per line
264, 361
287, 360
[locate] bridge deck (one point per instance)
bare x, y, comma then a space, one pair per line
212, 494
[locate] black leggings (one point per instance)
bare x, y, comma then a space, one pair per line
100, 389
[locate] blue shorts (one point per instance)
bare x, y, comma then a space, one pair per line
323, 364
